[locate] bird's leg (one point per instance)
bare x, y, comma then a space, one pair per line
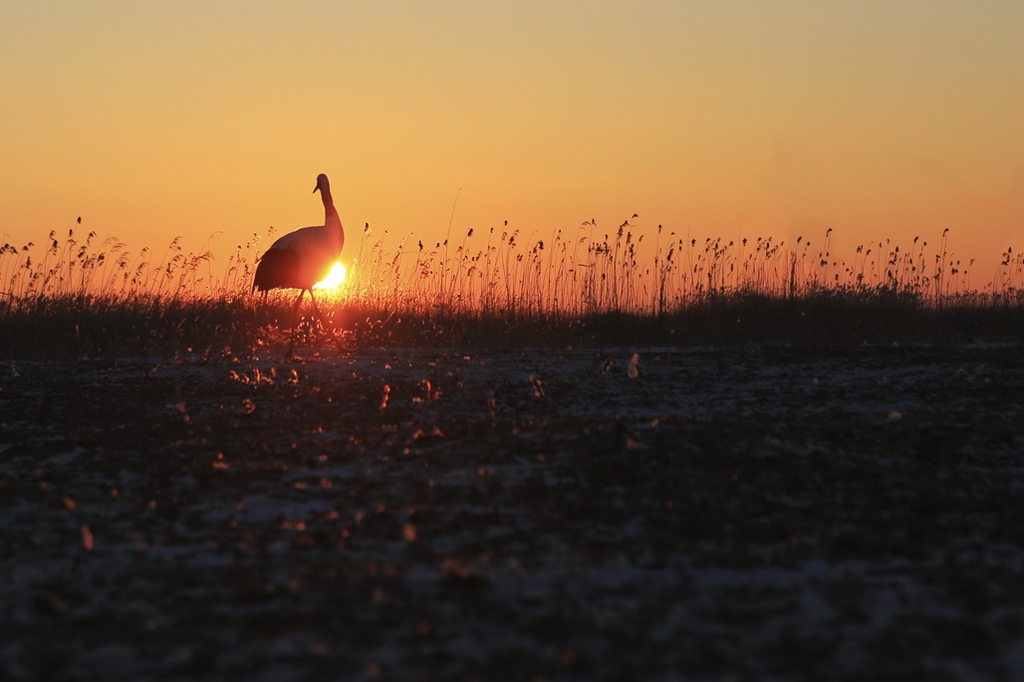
316, 308
295, 310
295, 322
324, 320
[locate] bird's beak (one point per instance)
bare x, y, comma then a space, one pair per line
316, 188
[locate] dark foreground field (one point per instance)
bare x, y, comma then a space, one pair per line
761, 512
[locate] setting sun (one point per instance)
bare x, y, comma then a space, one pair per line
334, 279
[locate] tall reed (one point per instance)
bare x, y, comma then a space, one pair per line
591, 271
488, 280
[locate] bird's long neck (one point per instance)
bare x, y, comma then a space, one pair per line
331, 218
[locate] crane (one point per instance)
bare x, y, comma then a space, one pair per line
300, 259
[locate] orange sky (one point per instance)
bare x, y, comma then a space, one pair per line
877, 119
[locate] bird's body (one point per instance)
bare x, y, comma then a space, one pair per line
300, 259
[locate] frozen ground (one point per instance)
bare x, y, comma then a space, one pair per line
753, 513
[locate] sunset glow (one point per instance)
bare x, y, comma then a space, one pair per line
732, 119
333, 280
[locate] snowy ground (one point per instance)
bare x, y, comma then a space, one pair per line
759, 512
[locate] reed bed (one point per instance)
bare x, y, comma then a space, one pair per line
502, 287
593, 272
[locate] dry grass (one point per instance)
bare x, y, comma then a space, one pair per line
596, 272
500, 288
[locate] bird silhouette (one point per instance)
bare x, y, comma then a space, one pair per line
300, 259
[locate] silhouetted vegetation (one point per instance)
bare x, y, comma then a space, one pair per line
80, 300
